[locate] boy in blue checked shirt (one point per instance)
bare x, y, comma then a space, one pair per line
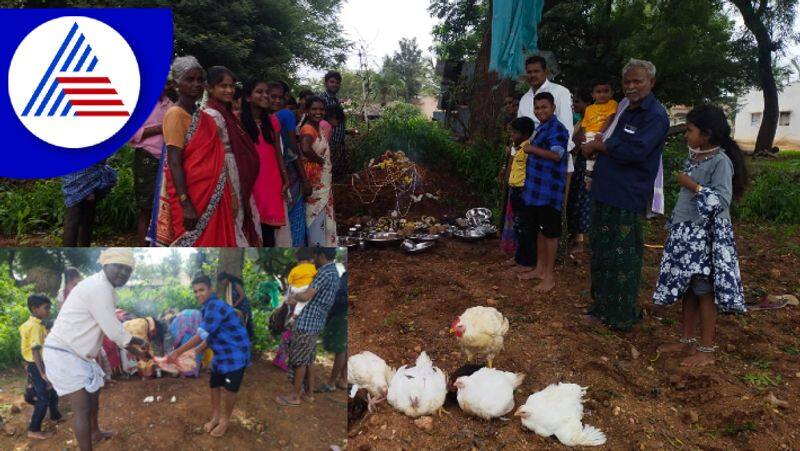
224, 333
302, 348
543, 192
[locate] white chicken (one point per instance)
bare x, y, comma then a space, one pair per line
488, 393
558, 410
418, 390
367, 370
480, 331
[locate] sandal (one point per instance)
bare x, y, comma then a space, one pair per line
325, 388
767, 304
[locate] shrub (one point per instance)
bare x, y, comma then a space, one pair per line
773, 196
13, 312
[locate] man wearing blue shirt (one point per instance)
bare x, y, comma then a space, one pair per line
622, 183
302, 348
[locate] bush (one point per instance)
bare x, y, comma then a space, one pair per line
13, 312
773, 196
38, 207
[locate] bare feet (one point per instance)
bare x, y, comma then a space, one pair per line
699, 359
211, 425
39, 435
219, 431
100, 436
547, 284
673, 348
534, 274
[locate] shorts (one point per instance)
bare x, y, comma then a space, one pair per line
547, 220
145, 171
334, 335
701, 286
302, 349
231, 381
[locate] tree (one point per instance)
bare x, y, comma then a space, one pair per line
458, 35
265, 38
42, 267
770, 23
409, 66
231, 261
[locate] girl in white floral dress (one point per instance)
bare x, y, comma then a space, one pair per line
700, 263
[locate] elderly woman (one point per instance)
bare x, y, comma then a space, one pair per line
622, 186
193, 205
76, 338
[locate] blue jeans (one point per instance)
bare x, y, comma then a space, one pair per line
45, 398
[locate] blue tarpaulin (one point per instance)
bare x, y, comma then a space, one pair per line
514, 34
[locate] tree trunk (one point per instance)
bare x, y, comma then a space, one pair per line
754, 21
231, 260
44, 280
488, 90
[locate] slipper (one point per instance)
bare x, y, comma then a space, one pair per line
284, 401
325, 388
767, 304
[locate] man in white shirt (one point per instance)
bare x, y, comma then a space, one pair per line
74, 342
536, 75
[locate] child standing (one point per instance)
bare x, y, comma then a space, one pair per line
700, 262
521, 131
224, 333
82, 190
32, 334
579, 204
596, 118
299, 279
543, 194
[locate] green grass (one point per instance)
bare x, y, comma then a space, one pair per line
738, 428
762, 380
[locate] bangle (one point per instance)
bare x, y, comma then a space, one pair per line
698, 188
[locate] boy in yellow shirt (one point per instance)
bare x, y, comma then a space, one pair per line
300, 277
32, 334
597, 118
521, 131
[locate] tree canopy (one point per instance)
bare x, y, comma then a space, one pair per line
700, 54
266, 38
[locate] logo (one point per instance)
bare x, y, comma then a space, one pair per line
79, 83
73, 82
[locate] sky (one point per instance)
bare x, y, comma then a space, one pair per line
380, 24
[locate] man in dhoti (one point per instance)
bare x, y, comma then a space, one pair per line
76, 339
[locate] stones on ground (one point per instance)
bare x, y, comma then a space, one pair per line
777, 402
9, 430
424, 423
690, 417
417, 349
730, 347
492, 301
616, 410
635, 353
775, 273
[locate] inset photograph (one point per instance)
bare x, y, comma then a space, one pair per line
143, 348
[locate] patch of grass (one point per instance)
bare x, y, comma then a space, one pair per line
762, 380
390, 320
791, 350
738, 428
760, 363
668, 321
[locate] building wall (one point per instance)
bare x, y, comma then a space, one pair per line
746, 126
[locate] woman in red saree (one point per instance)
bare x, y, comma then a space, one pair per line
193, 197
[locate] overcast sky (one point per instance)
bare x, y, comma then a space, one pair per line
382, 23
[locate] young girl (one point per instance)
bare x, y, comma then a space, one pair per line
314, 144
700, 262
241, 158
70, 278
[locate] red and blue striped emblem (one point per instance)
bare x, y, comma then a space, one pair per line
72, 87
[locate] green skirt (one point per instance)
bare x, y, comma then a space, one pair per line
334, 336
617, 242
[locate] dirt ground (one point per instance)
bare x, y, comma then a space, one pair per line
259, 423
403, 304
